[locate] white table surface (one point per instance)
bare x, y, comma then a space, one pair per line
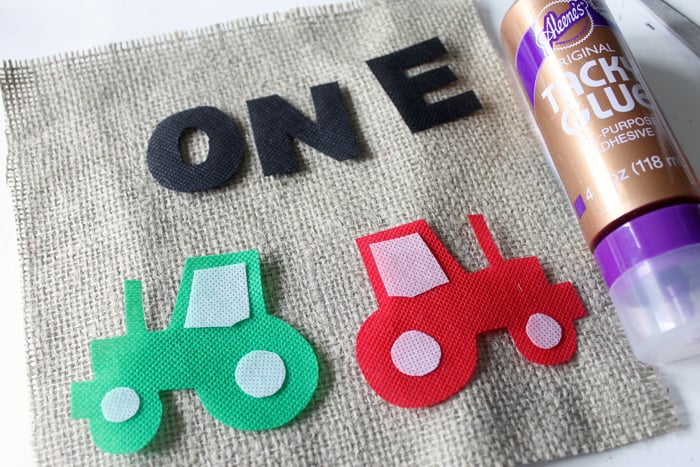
43, 27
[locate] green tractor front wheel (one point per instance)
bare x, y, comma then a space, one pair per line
122, 419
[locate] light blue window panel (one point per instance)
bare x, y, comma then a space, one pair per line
219, 297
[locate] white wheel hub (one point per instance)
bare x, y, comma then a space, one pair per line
543, 331
260, 373
120, 404
415, 353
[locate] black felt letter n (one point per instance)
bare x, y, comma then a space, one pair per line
275, 122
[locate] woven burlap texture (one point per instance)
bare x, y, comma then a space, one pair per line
90, 215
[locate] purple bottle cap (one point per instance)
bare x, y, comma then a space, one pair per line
647, 236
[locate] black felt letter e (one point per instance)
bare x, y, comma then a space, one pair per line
407, 92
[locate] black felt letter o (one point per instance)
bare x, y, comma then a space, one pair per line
225, 156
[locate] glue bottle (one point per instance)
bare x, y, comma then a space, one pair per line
634, 192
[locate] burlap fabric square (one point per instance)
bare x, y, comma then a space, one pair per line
90, 215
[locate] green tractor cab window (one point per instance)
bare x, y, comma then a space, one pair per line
251, 370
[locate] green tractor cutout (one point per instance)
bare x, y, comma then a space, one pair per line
251, 370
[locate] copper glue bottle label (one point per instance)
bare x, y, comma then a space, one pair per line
607, 138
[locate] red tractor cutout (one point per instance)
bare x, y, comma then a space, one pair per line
419, 348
